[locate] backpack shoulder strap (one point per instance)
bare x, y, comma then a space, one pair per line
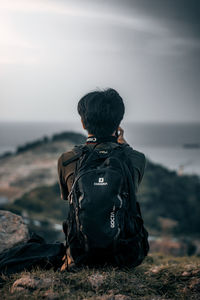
78, 152
129, 183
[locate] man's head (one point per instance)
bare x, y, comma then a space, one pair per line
101, 112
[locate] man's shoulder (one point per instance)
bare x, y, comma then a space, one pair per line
65, 156
137, 162
133, 153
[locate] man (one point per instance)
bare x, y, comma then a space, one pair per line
101, 113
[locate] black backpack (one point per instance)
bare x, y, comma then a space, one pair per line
104, 223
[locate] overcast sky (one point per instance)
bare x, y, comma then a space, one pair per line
52, 52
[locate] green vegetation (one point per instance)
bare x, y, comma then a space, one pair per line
6, 154
76, 138
42, 204
73, 137
165, 194
32, 145
159, 277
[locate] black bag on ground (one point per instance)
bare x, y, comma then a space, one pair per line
104, 224
35, 253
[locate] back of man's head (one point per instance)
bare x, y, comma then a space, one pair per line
101, 112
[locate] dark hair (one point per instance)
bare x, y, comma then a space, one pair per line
101, 111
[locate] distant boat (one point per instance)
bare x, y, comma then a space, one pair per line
192, 145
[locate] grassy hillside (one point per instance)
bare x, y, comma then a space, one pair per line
158, 277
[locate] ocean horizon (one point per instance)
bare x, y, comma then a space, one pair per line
174, 145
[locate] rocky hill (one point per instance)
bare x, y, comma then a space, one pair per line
33, 164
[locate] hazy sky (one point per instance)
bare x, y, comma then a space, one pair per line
52, 52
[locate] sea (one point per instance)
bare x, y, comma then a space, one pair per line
173, 145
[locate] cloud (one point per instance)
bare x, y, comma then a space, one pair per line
183, 16
143, 49
147, 19
80, 10
14, 48
18, 42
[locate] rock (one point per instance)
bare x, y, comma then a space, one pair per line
13, 231
155, 269
25, 283
195, 285
186, 274
31, 283
96, 280
50, 295
196, 273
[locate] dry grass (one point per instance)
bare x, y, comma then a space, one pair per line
159, 277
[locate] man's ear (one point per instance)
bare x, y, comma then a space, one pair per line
83, 124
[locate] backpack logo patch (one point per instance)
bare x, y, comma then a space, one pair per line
103, 151
100, 182
112, 219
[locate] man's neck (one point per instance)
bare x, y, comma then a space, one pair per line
89, 134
